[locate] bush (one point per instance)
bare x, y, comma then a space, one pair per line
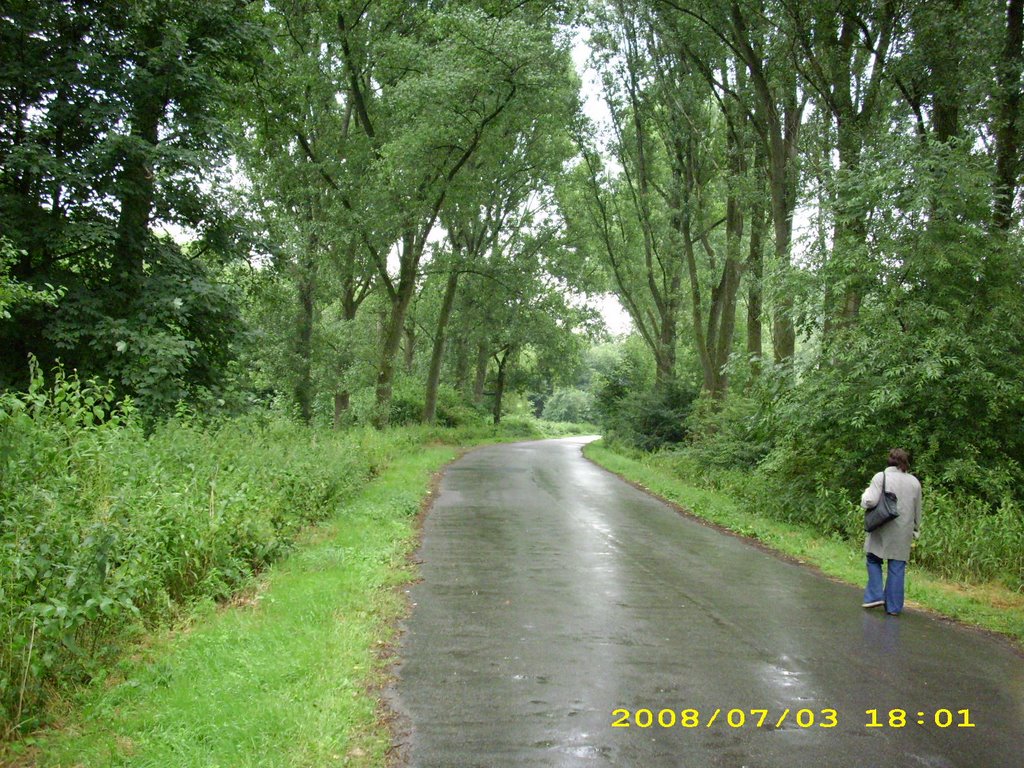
729, 434
407, 404
650, 420
569, 405
106, 528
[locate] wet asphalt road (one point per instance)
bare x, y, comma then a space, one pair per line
554, 594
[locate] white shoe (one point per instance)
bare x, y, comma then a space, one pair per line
873, 604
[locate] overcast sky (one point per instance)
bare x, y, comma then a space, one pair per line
615, 317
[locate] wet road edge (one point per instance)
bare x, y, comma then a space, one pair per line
394, 721
1011, 643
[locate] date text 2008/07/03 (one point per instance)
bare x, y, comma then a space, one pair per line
799, 718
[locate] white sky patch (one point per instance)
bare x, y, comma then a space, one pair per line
594, 105
615, 317
179, 234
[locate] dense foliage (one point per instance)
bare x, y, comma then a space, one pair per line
107, 529
199, 201
104, 526
353, 212
849, 175
112, 120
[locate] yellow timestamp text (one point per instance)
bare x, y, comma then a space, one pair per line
779, 718
724, 718
901, 718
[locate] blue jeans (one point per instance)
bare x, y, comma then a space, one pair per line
893, 592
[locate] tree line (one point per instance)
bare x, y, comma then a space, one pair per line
222, 203
376, 211
811, 211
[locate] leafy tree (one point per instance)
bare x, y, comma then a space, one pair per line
111, 116
571, 405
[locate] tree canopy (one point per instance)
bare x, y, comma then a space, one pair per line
363, 211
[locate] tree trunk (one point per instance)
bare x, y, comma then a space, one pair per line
355, 288
394, 327
1007, 128
944, 49
499, 393
665, 354
781, 112
499, 389
341, 406
714, 342
783, 194
482, 359
410, 345
665, 365
461, 366
137, 182
304, 335
755, 278
725, 301
437, 353
850, 233
723, 314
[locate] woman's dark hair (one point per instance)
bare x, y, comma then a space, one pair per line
899, 458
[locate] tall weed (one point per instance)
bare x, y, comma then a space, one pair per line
963, 537
105, 528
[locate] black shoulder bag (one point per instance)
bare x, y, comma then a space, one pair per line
883, 511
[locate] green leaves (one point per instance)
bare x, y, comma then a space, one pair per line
104, 526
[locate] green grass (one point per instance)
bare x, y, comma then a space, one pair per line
990, 606
282, 677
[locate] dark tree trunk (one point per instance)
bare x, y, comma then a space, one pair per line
410, 345
350, 305
945, 50
437, 353
664, 361
713, 341
499, 388
782, 183
341, 406
755, 279
394, 327
393, 331
304, 332
723, 314
499, 393
356, 286
725, 300
482, 359
780, 113
850, 232
461, 366
137, 181
1007, 128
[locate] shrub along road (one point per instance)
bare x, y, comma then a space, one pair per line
566, 618
278, 679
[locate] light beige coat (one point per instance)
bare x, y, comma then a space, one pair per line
892, 541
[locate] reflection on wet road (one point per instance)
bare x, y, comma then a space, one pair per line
554, 594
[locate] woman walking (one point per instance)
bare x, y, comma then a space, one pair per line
892, 541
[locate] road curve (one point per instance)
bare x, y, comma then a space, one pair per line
554, 594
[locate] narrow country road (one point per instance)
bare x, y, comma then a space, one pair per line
554, 594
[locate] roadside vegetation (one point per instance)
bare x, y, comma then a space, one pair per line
250, 254
287, 673
817, 237
253, 253
989, 604
113, 531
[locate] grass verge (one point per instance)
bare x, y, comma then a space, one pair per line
989, 606
283, 676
